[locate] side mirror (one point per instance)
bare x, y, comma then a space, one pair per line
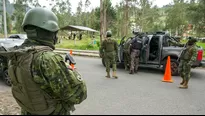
69, 58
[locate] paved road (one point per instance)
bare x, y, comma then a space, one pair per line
139, 94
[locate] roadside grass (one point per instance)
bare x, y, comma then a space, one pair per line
84, 44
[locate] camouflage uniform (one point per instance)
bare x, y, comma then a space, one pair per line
187, 58
135, 47
126, 53
41, 81
109, 50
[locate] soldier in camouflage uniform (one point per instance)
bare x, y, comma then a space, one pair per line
126, 53
41, 82
135, 49
187, 58
109, 50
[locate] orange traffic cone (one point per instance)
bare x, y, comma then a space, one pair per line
167, 74
71, 52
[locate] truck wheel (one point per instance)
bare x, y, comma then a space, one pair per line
174, 67
6, 77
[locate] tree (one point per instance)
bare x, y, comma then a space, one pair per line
86, 14
196, 16
101, 21
8, 23
62, 9
79, 12
20, 7
176, 19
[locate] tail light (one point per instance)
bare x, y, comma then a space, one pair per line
200, 55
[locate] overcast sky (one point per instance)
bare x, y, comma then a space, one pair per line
96, 3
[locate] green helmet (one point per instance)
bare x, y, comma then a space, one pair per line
42, 18
192, 40
108, 34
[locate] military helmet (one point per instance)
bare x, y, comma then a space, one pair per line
42, 18
108, 34
192, 40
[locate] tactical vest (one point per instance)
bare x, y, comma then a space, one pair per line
27, 93
136, 44
109, 45
187, 53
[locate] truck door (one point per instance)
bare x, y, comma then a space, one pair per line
120, 49
146, 50
162, 42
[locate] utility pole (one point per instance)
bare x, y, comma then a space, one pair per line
5, 24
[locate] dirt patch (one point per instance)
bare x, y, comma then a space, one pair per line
8, 105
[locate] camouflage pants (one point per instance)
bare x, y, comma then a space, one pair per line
110, 59
184, 70
59, 110
23, 112
126, 59
135, 54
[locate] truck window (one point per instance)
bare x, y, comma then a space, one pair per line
165, 41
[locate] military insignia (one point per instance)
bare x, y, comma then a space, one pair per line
78, 75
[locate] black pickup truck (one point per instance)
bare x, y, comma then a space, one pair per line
157, 51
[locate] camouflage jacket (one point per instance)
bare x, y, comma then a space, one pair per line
109, 45
189, 54
52, 79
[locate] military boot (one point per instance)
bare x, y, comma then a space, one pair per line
108, 75
185, 85
182, 82
131, 72
114, 74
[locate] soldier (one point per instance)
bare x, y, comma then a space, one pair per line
109, 50
188, 56
126, 53
135, 49
41, 82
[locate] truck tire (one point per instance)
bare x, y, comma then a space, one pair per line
6, 77
174, 67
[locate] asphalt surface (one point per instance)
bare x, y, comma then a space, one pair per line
139, 94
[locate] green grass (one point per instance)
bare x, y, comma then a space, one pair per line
84, 44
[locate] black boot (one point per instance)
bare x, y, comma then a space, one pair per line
131, 72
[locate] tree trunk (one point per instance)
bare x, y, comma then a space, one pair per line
104, 16
126, 17
101, 21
